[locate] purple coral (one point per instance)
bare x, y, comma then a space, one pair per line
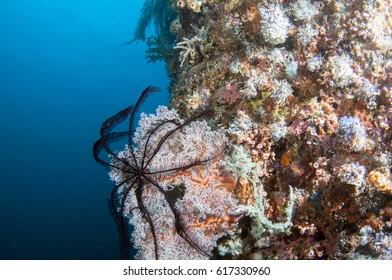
229, 94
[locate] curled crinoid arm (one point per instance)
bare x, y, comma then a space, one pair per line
103, 144
152, 133
179, 226
108, 125
203, 114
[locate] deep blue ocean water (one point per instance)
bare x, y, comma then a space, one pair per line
63, 71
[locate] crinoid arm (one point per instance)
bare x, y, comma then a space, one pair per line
119, 216
108, 125
158, 146
103, 144
108, 137
179, 224
151, 134
147, 217
142, 98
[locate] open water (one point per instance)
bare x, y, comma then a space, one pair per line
63, 71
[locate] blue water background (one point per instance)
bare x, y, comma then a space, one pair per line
63, 71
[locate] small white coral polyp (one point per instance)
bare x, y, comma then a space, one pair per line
304, 10
352, 133
342, 71
204, 201
275, 24
352, 174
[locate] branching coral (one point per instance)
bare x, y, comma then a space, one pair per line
188, 49
204, 206
160, 14
241, 164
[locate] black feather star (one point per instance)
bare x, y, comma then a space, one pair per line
137, 170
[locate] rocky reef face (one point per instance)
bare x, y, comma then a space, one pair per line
303, 90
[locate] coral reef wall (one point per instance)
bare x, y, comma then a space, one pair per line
303, 89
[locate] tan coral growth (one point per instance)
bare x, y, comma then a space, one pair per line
380, 181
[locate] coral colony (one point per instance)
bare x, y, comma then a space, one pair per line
277, 143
